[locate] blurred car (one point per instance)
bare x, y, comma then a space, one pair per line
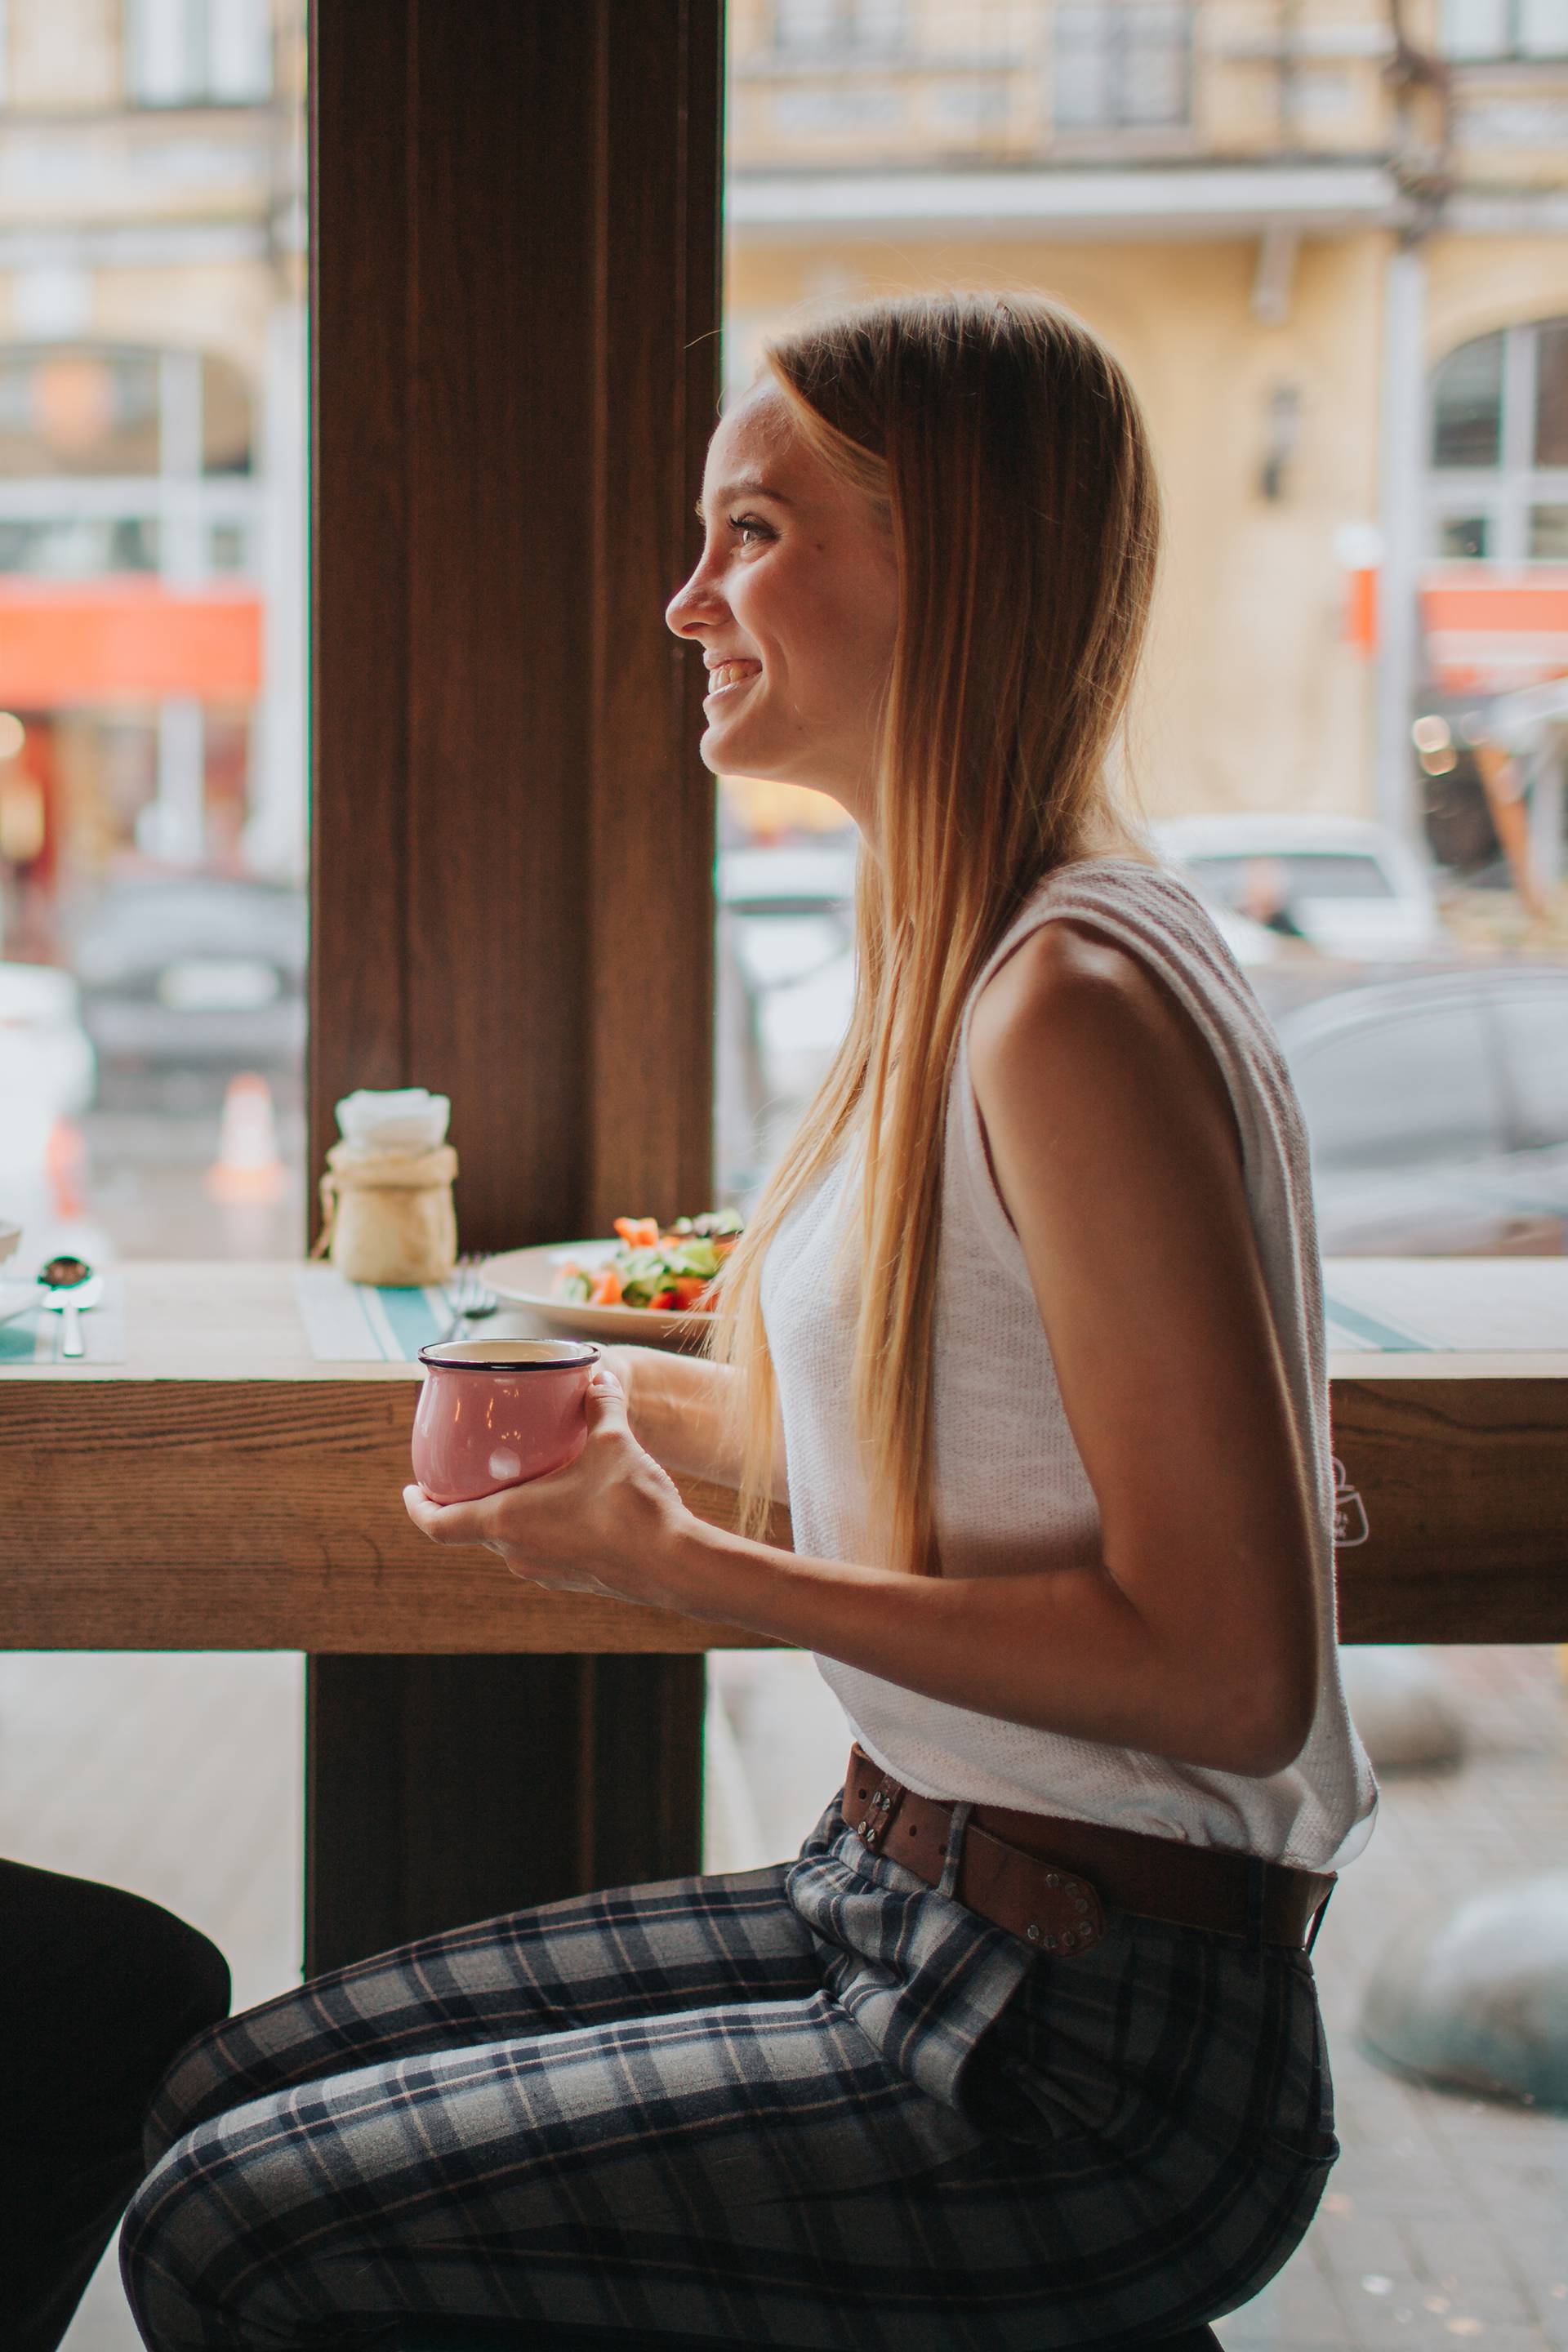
1438, 1106
206, 970
788, 915
46, 1064
1342, 886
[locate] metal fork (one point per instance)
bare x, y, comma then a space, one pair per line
468, 1296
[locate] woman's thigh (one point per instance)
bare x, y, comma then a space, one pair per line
730, 2173
686, 1944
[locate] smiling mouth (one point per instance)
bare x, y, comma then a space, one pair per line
728, 677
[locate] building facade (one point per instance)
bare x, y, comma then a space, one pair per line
1330, 239
152, 447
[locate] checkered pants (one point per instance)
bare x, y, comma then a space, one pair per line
819, 2106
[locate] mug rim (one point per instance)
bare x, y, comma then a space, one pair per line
579, 1352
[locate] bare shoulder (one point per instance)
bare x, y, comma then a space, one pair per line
1073, 992
1074, 1014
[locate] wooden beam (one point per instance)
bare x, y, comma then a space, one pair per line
515, 243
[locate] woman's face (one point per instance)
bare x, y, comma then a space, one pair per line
794, 604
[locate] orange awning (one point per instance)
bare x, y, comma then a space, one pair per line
102, 640
1488, 631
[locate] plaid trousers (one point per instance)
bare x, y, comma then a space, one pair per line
822, 2107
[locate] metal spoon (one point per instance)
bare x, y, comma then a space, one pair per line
69, 1284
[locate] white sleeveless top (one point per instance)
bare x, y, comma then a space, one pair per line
1010, 1486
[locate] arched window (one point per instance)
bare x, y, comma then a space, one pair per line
1497, 456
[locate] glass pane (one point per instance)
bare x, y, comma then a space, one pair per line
1474, 28
1552, 394
1402, 1091
806, 24
1155, 65
76, 409
1535, 1037
1467, 404
1082, 66
1549, 533
1462, 535
1542, 28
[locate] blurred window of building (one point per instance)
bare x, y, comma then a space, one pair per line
1482, 29
1467, 406
1499, 483
1121, 66
198, 52
1551, 392
809, 29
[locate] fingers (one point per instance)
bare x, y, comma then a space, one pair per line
607, 1402
450, 1523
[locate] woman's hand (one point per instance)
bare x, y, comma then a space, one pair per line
608, 1523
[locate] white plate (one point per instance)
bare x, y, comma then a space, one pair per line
527, 1277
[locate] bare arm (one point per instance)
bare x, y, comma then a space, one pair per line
681, 1409
1195, 1637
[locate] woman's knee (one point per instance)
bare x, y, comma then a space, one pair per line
211, 2238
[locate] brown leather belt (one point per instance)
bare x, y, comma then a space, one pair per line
1053, 1881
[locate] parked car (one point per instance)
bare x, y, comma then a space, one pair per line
207, 971
1343, 887
789, 913
47, 1067
46, 1074
1437, 1104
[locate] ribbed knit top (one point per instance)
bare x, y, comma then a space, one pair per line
1011, 1489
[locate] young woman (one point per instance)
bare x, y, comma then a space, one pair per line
1023, 2050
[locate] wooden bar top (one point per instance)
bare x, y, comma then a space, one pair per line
222, 1489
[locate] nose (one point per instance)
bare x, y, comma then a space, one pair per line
697, 606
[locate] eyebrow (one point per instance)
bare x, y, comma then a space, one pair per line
748, 486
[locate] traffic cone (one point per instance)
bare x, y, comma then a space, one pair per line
248, 1167
65, 1165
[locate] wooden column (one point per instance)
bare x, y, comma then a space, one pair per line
514, 348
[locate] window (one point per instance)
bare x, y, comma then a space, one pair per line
809, 28
1404, 1090
1478, 29
1467, 406
1121, 68
198, 52
1498, 448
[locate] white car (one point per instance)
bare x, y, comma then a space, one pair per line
1349, 888
47, 1070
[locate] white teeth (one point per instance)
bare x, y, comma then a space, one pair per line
725, 675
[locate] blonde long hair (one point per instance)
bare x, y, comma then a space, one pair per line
1006, 449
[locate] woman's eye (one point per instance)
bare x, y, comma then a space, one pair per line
750, 529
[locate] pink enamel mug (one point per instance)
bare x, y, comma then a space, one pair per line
493, 1412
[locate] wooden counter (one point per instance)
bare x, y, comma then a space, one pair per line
223, 1490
